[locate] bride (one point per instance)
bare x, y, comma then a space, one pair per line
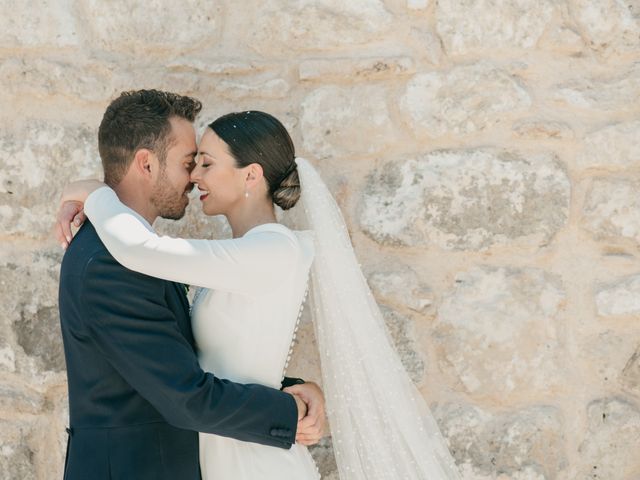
251, 295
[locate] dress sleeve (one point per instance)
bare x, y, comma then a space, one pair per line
246, 265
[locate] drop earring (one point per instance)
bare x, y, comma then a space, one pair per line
246, 194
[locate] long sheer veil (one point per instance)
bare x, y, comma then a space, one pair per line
381, 426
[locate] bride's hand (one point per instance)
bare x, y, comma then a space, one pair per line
70, 211
311, 427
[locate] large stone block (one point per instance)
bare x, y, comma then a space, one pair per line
482, 25
399, 286
613, 432
466, 200
496, 332
40, 23
609, 25
37, 332
464, 100
16, 455
153, 26
615, 145
346, 121
612, 209
36, 161
619, 298
525, 444
29, 304
611, 359
602, 92
44, 79
313, 25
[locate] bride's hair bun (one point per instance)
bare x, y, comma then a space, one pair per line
287, 194
257, 137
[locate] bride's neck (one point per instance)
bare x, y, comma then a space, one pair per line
250, 215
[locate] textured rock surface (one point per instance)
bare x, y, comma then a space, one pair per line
36, 161
330, 121
613, 146
443, 103
612, 209
609, 25
29, 306
400, 286
613, 431
316, 24
401, 330
522, 444
117, 27
466, 26
497, 332
366, 68
16, 456
466, 200
485, 154
613, 359
620, 298
615, 90
38, 24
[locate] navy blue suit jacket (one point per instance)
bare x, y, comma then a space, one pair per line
137, 396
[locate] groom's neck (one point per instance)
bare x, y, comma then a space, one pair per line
136, 199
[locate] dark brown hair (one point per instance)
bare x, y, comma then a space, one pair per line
257, 137
139, 119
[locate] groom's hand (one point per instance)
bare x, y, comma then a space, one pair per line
311, 427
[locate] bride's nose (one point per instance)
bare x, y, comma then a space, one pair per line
194, 176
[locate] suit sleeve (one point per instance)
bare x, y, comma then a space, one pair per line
126, 315
244, 265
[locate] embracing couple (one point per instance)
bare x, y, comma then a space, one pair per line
147, 371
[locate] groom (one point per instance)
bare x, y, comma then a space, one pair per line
137, 396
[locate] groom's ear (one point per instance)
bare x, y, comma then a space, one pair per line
145, 163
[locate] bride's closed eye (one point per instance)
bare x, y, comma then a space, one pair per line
204, 160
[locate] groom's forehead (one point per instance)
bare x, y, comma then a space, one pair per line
182, 131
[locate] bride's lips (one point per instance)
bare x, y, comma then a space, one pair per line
203, 194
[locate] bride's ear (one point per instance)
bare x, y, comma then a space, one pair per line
253, 175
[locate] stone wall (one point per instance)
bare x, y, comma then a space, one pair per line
486, 154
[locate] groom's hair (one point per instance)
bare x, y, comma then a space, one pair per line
139, 119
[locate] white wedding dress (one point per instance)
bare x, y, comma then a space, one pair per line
244, 317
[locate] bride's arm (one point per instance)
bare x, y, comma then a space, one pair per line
242, 265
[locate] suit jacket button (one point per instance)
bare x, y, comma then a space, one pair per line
279, 432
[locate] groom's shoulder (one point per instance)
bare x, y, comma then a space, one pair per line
87, 256
85, 248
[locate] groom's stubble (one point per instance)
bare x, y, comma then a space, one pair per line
170, 201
